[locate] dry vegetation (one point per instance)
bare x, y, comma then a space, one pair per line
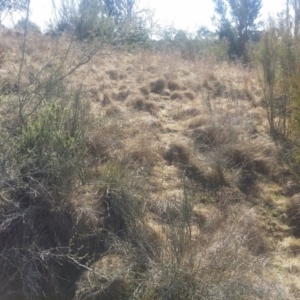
159, 180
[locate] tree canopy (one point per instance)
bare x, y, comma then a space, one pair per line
7, 6
237, 21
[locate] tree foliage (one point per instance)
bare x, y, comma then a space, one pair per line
7, 6
236, 20
119, 9
109, 20
22, 23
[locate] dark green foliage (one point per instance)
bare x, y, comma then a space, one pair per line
181, 36
31, 26
40, 168
236, 20
90, 20
119, 9
111, 21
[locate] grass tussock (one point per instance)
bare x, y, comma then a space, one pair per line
293, 213
189, 95
291, 245
113, 74
106, 100
121, 95
145, 90
173, 85
157, 86
186, 113
198, 121
113, 110
176, 95
143, 105
216, 270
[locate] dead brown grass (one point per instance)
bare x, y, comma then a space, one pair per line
158, 85
190, 95
176, 95
145, 90
143, 105
106, 100
198, 121
173, 85
293, 214
167, 201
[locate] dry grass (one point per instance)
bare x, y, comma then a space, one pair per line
173, 85
165, 207
198, 121
292, 245
293, 214
176, 95
190, 95
143, 105
158, 85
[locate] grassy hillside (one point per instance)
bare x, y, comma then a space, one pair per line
140, 175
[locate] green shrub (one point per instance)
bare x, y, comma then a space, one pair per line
45, 164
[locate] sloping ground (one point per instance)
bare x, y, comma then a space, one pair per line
187, 195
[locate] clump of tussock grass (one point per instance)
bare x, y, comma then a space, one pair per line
158, 85
198, 121
94, 94
207, 137
145, 90
113, 110
179, 154
152, 69
211, 77
122, 206
106, 99
150, 125
113, 74
87, 209
240, 94
293, 214
143, 105
207, 86
230, 162
219, 90
130, 70
291, 187
104, 138
218, 261
176, 95
121, 95
166, 93
186, 113
105, 86
141, 152
291, 245
190, 95
106, 279
173, 85
141, 158
122, 87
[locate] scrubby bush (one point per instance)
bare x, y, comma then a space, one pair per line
39, 174
31, 26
